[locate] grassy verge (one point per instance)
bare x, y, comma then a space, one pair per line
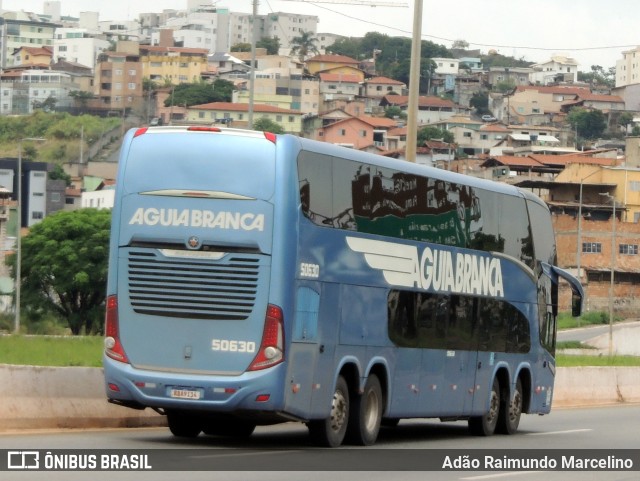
592, 318
87, 351
51, 350
570, 360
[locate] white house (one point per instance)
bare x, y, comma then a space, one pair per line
557, 69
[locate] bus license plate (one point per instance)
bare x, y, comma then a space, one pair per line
185, 393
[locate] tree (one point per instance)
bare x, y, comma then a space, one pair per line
267, 125
241, 47
64, 267
431, 133
304, 45
200, 93
395, 112
272, 44
589, 124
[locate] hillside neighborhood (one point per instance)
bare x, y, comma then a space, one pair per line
525, 132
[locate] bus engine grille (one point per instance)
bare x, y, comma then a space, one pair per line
189, 288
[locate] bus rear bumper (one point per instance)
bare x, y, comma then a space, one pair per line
257, 391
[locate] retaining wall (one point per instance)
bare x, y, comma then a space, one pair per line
74, 397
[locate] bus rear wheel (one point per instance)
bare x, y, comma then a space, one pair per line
510, 411
330, 432
486, 425
183, 425
366, 415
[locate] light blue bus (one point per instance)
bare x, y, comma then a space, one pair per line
257, 279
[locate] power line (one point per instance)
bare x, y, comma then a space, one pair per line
521, 47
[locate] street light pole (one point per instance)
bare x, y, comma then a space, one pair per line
16, 323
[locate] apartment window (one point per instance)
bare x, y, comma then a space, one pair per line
628, 249
363, 133
466, 134
484, 137
37, 215
132, 72
278, 118
131, 85
291, 119
55, 197
592, 247
342, 132
634, 186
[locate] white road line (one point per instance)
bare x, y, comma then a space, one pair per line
570, 431
502, 475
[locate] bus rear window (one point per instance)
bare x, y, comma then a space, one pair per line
239, 165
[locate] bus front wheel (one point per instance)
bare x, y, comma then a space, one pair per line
486, 425
330, 432
366, 415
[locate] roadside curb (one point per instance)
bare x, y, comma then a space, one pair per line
74, 397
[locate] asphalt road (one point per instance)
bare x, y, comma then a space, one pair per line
625, 336
282, 452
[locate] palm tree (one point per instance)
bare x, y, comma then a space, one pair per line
304, 45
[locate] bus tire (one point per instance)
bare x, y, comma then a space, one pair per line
510, 411
366, 414
485, 425
330, 432
183, 425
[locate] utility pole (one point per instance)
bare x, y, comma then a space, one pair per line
252, 72
414, 84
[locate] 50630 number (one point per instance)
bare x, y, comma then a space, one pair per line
232, 346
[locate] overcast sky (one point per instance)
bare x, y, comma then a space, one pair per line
594, 32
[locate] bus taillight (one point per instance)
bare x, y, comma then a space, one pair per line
112, 345
272, 346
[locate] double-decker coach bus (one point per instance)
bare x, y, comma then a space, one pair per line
258, 278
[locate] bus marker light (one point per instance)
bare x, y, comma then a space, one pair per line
261, 398
139, 384
316, 387
113, 387
140, 131
295, 388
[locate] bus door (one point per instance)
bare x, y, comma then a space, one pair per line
304, 350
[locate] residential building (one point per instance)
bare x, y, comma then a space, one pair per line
18, 29
38, 57
173, 64
357, 132
34, 203
119, 78
378, 87
22, 91
78, 45
237, 115
321, 63
508, 76
326, 40
557, 69
334, 86
628, 68
540, 104
290, 92
431, 109
287, 26
447, 66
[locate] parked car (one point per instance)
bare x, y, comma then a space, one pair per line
488, 118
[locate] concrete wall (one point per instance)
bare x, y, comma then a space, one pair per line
74, 397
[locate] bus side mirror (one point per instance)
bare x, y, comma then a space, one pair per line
576, 305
